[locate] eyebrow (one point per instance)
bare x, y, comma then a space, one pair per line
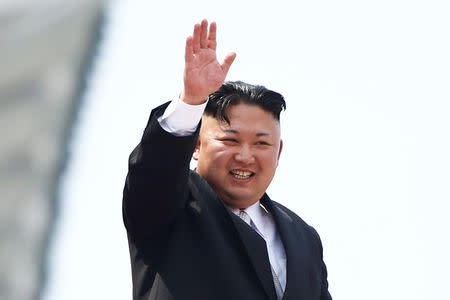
234, 131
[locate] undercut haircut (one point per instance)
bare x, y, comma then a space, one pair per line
238, 92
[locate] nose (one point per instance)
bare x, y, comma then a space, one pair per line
244, 155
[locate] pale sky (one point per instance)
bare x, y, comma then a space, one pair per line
366, 135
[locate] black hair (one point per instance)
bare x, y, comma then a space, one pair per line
237, 92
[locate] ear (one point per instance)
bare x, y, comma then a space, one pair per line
279, 151
196, 154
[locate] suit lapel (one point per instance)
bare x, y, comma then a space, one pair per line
252, 242
257, 252
293, 238
296, 252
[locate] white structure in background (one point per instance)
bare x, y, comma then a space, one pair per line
43, 45
366, 135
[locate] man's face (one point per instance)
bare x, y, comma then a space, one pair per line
239, 159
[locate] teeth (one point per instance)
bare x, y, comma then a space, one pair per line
241, 174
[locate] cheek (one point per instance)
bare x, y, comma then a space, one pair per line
218, 148
217, 155
269, 159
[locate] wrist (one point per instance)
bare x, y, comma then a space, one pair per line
192, 100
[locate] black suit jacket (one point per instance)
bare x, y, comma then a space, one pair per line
186, 244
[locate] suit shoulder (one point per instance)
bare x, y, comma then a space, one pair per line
198, 185
297, 220
199, 189
289, 213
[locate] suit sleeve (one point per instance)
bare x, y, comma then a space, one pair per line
156, 187
324, 293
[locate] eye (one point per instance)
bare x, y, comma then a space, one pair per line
230, 140
262, 143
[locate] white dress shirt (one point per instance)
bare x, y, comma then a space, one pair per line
182, 119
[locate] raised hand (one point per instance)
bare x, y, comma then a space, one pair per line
203, 74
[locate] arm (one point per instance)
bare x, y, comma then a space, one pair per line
156, 186
324, 293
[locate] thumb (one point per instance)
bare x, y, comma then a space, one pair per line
227, 61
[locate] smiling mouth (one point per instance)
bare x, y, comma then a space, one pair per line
239, 174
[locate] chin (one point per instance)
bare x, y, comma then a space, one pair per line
234, 199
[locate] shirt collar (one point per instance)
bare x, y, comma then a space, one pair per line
257, 213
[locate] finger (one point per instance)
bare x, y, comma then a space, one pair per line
188, 55
196, 38
212, 43
204, 33
227, 61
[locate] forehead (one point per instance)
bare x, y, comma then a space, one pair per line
244, 118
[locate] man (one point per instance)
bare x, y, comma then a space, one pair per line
214, 233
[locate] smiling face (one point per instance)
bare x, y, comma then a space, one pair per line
239, 159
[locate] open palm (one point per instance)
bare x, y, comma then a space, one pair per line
203, 74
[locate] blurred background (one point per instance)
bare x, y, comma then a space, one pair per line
46, 48
366, 133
